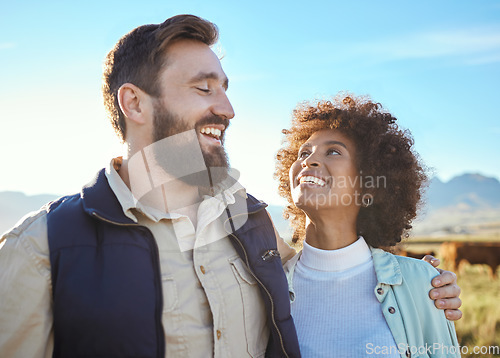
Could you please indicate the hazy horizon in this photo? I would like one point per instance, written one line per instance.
(434, 65)
(270, 203)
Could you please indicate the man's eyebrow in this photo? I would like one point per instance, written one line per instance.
(210, 76)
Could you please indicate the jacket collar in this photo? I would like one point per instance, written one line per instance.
(386, 267)
(99, 199)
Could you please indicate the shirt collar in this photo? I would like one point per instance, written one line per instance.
(129, 203)
(337, 260)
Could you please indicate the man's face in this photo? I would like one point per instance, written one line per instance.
(167, 124)
(193, 96)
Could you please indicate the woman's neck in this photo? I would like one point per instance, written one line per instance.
(328, 231)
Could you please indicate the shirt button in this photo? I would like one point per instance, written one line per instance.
(380, 290)
(219, 334)
(202, 269)
(392, 310)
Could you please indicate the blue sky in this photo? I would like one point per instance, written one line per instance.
(434, 64)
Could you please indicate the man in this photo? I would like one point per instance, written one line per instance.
(163, 254)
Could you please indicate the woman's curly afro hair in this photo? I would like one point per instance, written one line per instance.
(383, 150)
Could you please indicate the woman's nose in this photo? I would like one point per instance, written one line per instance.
(310, 161)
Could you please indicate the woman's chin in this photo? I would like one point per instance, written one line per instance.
(309, 205)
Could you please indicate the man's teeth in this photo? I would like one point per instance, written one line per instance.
(311, 179)
(211, 131)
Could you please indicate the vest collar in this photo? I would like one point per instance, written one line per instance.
(99, 200)
(236, 221)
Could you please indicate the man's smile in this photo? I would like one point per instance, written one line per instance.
(212, 133)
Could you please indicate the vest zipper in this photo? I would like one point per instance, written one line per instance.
(260, 283)
(156, 262)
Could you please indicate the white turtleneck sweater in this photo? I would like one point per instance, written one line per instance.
(335, 310)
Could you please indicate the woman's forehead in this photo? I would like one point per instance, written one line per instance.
(324, 136)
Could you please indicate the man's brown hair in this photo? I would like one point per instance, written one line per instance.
(139, 56)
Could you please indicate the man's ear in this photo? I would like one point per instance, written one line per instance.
(133, 102)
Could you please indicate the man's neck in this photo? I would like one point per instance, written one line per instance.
(170, 196)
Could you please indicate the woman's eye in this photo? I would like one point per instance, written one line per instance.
(332, 152)
(303, 155)
(205, 90)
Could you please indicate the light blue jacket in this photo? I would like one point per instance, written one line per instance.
(403, 285)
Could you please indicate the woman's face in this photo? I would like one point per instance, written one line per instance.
(325, 174)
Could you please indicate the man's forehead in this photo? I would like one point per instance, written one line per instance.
(194, 58)
(191, 51)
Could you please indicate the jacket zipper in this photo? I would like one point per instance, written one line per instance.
(260, 283)
(159, 326)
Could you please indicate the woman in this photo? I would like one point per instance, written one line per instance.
(353, 185)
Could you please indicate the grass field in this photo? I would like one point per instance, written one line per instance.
(480, 325)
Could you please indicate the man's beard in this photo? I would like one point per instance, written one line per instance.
(167, 124)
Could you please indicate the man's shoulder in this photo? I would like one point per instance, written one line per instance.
(35, 219)
(28, 221)
(64, 203)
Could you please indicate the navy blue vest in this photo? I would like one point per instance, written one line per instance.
(107, 293)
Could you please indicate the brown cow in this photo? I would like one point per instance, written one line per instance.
(415, 255)
(475, 253)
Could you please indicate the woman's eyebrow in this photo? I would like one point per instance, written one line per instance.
(333, 142)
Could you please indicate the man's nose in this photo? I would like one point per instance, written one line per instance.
(222, 106)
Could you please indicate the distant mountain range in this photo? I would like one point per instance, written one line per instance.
(467, 204)
(472, 191)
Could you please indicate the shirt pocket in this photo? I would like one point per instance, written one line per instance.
(172, 318)
(254, 312)
(169, 289)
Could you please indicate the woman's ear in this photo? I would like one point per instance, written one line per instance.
(132, 101)
(367, 198)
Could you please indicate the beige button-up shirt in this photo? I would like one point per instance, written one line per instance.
(212, 305)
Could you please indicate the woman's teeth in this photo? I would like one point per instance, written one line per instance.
(311, 179)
